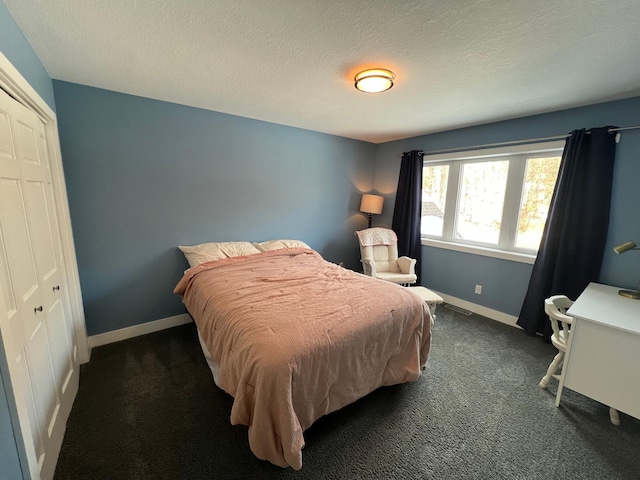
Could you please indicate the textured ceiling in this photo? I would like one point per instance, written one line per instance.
(457, 63)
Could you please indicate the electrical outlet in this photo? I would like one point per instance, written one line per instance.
(479, 289)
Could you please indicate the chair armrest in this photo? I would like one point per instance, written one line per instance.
(369, 267)
(407, 265)
(564, 318)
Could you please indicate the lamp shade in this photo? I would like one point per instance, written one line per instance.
(371, 203)
(625, 247)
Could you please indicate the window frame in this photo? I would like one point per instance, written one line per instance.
(517, 156)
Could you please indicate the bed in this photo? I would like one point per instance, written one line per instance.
(292, 337)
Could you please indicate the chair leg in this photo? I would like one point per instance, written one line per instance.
(557, 362)
(614, 416)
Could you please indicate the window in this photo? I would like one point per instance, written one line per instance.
(481, 201)
(434, 189)
(490, 199)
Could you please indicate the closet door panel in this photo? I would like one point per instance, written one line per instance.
(24, 332)
(47, 261)
(59, 344)
(43, 247)
(26, 134)
(61, 322)
(17, 244)
(26, 399)
(42, 377)
(36, 325)
(7, 152)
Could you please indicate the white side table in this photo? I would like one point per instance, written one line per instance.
(430, 298)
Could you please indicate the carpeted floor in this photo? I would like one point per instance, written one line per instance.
(147, 408)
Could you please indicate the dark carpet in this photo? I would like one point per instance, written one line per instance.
(147, 408)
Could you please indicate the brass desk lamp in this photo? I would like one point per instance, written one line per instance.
(626, 246)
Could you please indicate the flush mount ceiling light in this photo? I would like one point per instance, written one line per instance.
(374, 80)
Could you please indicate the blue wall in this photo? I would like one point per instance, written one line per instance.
(9, 461)
(144, 176)
(17, 49)
(504, 283)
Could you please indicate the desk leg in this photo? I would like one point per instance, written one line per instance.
(566, 362)
(559, 394)
(614, 416)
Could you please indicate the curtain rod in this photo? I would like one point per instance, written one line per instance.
(514, 142)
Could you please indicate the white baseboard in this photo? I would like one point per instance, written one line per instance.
(480, 310)
(177, 320)
(137, 330)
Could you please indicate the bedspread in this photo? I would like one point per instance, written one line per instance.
(297, 337)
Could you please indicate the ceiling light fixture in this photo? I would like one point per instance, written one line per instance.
(374, 80)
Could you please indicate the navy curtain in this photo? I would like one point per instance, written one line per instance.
(408, 208)
(575, 234)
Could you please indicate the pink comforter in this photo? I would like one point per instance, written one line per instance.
(297, 337)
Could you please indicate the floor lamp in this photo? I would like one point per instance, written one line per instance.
(625, 247)
(371, 204)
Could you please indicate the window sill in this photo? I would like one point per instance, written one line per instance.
(475, 250)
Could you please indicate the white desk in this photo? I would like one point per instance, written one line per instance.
(603, 356)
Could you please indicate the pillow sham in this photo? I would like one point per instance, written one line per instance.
(206, 252)
(278, 244)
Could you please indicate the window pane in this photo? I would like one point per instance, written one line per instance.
(434, 193)
(481, 201)
(539, 182)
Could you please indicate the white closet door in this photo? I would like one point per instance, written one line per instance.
(36, 331)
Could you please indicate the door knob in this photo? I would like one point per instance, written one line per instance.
(37, 309)
(57, 287)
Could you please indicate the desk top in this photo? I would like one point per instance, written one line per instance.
(602, 304)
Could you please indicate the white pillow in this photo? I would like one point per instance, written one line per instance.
(278, 244)
(206, 252)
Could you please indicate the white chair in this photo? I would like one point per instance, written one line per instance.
(556, 307)
(379, 254)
